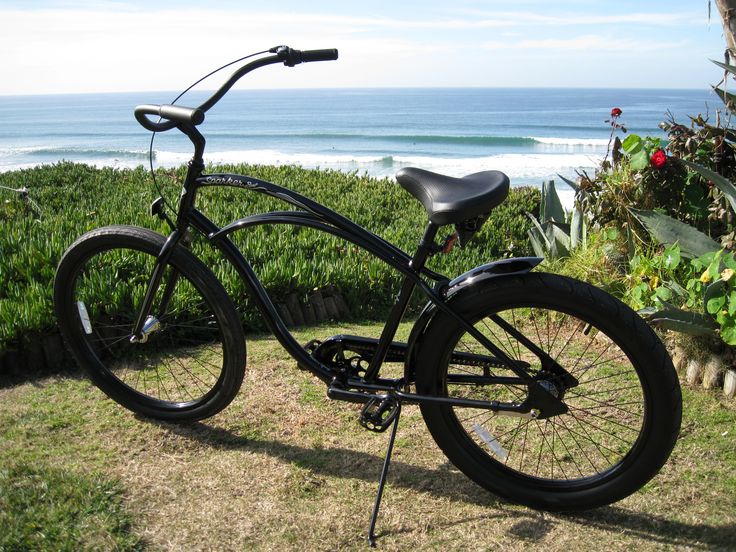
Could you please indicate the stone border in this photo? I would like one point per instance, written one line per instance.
(47, 354)
(709, 373)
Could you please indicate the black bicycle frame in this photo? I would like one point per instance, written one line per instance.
(380, 396)
(314, 215)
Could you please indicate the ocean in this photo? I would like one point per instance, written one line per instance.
(530, 134)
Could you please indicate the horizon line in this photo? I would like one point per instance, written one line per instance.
(171, 91)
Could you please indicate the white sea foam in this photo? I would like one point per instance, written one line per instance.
(521, 168)
(598, 142)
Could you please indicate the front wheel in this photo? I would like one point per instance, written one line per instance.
(192, 361)
(623, 417)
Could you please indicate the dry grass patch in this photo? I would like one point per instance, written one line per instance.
(284, 468)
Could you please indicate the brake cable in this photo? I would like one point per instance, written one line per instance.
(153, 135)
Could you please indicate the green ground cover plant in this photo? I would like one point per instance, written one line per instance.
(70, 199)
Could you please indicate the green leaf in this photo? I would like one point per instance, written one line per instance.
(728, 335)
(668, 231)
(713, 290)
(677, 289)
(569, 182)
(692, 323)
(540, 231)
(729, 261)
(639, 161)
(721, 182)
(663, 293)
(714, 305)
(732, 303)
(671, 257)
(552, 207)
(632, 144)
(729, 68)
(726, 97)
(536, 242)
(576, 227)
(561, 241)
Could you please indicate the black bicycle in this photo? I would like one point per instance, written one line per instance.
(542, 389)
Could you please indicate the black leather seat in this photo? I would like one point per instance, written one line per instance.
(449, 200)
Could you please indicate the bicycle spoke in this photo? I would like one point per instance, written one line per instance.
(603, 411)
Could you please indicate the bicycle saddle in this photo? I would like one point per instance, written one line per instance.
(449, 200)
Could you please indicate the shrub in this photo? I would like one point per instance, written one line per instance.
(75, 198)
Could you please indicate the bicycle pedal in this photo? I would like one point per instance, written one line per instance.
(379, 413)
(312, 345)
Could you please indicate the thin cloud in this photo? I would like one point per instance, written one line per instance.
(584, 43)
(656, 19)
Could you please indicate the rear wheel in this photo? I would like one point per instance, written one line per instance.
(192, 362)
(623, 417)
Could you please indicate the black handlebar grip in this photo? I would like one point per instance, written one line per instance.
(174, 113)
(319, 55)
(182, 114)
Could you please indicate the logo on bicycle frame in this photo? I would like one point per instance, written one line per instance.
(228, 180)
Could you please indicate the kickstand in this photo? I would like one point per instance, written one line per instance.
(382, 480)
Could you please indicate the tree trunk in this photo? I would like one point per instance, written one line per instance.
(727, 9)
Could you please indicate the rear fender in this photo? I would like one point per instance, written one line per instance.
(465, 283)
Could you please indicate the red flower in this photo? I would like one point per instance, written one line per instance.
(659, 158)
(616, 111)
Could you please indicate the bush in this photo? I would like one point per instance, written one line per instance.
(75, 198)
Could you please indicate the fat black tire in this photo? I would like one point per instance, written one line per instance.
(194, 364)
(642, 358)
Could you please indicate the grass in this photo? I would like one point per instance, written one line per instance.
(51, 509)
(284, 468)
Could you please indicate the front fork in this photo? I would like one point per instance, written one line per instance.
(145, 323)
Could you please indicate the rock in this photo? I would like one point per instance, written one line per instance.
(342, 306)
(53, 350)
(679, 359)
(694, 373)
(729, 384)
(285, 315)
(712, 372)
(319, 306)
(12, 362)
(331, 308)
(309, 316)
(295, 309)
(33, 357)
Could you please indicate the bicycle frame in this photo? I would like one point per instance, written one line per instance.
(540, 402)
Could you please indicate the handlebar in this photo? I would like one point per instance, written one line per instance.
(176, 115)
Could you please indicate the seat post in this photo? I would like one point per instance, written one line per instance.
(424, 250)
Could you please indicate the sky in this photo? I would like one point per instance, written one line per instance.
(118, 46)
